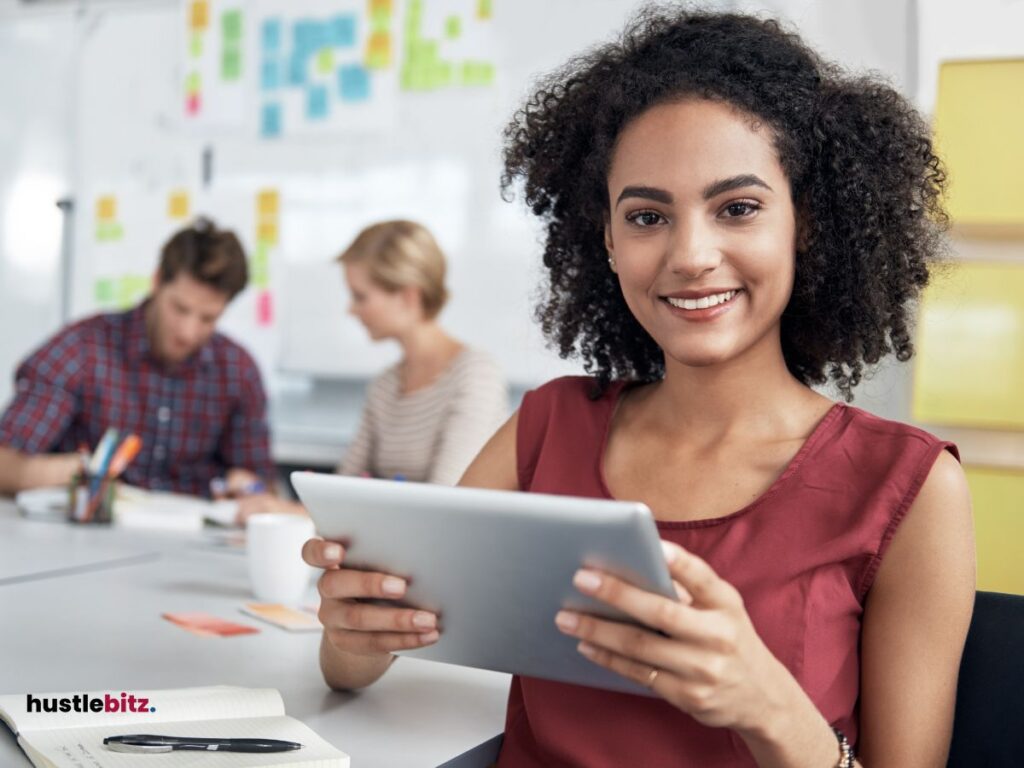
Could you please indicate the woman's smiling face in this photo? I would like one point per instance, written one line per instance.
(702, 229)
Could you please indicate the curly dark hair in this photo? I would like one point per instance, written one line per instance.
(865, 180)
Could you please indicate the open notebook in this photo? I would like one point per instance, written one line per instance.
(75, 739)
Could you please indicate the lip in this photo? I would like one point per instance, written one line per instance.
(701, 315)
(698, 294)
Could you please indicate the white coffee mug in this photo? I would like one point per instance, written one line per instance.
(276, 569)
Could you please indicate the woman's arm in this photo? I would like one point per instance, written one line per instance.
(915, 623)
(478, 404)
(703, 654)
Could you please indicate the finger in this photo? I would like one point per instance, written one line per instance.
(666, 614)
(346, 583)
(634, 642)
(699, 579)
(367, 643)
(637, 671)
(323, 554)
(365, 617)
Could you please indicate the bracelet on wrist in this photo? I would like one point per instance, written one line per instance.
(845, 750)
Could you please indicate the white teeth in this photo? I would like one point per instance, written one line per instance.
(703, 302)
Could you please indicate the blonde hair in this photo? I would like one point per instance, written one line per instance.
(399, 254)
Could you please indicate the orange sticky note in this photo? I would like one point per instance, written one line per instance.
(199, 14)
(177, 204)
(206, 625)
(106, 208)
(267, 203)
(266, 232)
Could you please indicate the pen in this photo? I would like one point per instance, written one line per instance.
(145, 742)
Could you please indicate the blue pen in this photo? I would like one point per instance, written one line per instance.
(101, 459)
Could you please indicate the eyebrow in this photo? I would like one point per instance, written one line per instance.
(647, 193)
(734, 182)
(712, 190)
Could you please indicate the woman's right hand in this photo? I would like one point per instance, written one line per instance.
(352, 624)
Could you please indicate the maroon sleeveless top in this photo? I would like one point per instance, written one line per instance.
(803, 555)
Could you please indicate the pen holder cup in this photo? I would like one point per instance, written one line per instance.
(90, 499)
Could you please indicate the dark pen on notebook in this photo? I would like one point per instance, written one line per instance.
(144, 742)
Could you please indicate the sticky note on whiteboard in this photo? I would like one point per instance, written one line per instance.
(106, 208)
(177, 204)
(969, 366)
(264, 308)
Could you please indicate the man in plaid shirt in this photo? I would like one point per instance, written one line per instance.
(159, 370)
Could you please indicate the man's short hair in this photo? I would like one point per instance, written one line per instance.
(212, 256)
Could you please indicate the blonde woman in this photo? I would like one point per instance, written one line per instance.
(426, 417)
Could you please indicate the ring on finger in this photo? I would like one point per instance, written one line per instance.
(651, 677)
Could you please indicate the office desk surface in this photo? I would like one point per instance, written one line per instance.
(100, 630)
(34, 549)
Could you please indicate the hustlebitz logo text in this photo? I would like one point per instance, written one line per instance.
(84, 702)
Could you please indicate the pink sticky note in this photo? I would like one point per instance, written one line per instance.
(193, 103)
(264, 308)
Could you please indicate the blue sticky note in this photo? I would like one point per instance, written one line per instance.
(297, 69)
(354, 81)
(316, 102)
(271, 74)
(343, 31)
(272, 35)
(270, 122)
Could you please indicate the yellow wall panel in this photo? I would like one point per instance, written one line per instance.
(979, 116)
(998, 499)
(969, 366)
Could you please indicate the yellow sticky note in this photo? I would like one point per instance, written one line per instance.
(177, 204)
(106, 208)
(998, 527)
(199, 15)
(266, 232)
(978, 117)
(969, 366)
(267, 201)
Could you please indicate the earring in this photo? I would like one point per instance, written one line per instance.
(611, 261)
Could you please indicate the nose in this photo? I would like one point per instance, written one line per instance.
(191, 330)
(693, 249)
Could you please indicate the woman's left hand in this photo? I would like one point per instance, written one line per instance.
(701, 654)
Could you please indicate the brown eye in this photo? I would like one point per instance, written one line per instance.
(741, 209)
(645, 218)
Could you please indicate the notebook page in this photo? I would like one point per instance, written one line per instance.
(206, 703)
(83, 747)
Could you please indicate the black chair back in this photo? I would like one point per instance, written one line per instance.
(988, 727)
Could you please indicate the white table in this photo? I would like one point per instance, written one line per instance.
(99, 629)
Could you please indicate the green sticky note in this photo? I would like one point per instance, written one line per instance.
(325, 61)
(231, 64)
(231, 25)
(193, 83)
(484, 9)
(452, 27)
(195, 46)
(441, 74)
(104, 291)
(380, 19)
(116, 231)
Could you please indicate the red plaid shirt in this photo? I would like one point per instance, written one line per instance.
(207, 415)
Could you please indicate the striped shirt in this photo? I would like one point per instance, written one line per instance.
(433, 433)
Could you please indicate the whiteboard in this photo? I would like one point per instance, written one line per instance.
(432, 155)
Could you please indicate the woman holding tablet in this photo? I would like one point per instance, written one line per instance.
(729, 221)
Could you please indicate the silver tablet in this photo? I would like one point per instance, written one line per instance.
(494, 565)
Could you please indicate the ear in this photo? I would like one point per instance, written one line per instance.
(411, 297)
(609, 246)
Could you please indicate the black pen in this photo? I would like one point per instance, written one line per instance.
(144, 742)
